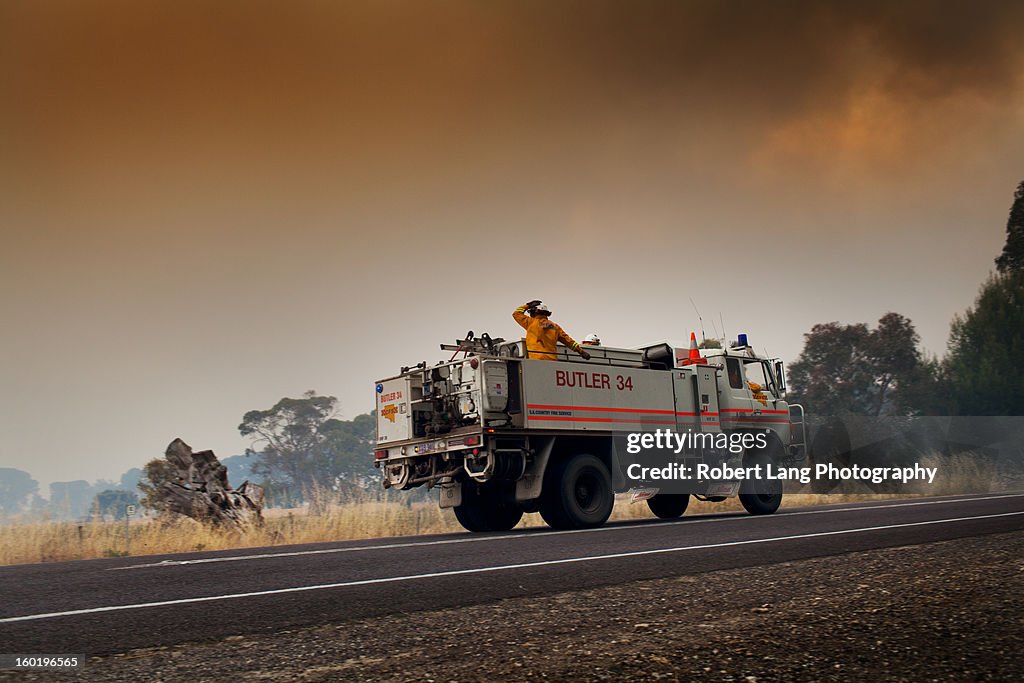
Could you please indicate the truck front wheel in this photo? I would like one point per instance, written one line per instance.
(485, 508)
(577, 493)
(761, 496)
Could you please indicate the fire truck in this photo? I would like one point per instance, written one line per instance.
(500, 435)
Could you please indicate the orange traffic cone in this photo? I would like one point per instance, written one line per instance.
(695, 356)
(694, 351)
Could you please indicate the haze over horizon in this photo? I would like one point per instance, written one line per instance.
(208, 207)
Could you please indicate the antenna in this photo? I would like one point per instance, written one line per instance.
(715, 329)
(702, 335)
(721, 319)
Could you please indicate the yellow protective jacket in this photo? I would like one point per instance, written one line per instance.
(542, 336)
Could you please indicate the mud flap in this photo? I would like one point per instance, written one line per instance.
(449, 495)
(529, 485)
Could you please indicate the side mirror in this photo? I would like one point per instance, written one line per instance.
(780, 378)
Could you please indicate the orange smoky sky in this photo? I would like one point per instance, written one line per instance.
(206, 206)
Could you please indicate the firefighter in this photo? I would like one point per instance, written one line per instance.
(543, 334)
(591, 340)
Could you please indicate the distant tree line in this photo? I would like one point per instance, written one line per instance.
(78, 499)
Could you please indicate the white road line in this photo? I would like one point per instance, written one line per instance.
(482, 570)
(540, 534)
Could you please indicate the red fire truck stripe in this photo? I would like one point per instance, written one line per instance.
(601, 409)
(605, 409)
(747, 410)
(568, 418)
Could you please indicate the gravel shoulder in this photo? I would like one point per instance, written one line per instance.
(945, 611)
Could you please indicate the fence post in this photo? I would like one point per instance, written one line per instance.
(129, 510)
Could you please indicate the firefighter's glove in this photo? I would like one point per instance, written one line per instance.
(531, 304)
(584, 354)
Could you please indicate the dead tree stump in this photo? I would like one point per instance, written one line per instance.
(202, 491)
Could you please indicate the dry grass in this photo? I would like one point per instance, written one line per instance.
(58, 541)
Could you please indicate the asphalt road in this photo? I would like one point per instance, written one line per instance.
(98, 607)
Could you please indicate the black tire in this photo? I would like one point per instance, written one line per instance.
(486, 508)
(669, 505)
(577, 493)
(760, 497)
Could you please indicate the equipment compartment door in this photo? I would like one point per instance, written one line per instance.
(394, 418)
(707, 395)
(697, 399)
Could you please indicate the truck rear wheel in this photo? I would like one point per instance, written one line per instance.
(577, 493)
(485, 508)
(669, 505)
